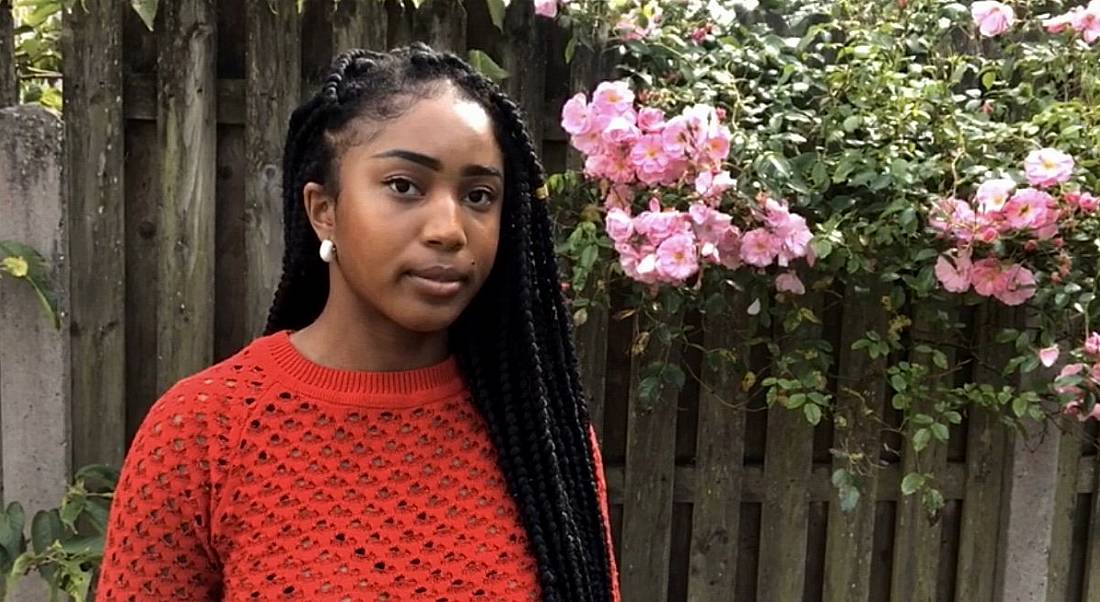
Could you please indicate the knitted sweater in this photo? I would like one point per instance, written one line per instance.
(269, 477)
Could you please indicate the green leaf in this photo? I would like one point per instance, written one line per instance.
(486, 66)
(939, 430)
(812, 412)
(1019, 406)
(570, 49)
(147, 10)
(46, 529)
(911, 483)
(38, 276)
(496, 11)
(920, 439)
(849, 499)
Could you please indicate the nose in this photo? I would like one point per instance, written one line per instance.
(443, 227)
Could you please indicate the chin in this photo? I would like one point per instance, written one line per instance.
(428, 321)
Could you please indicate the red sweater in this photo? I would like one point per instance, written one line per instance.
(268, 477)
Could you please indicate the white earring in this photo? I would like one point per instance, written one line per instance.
(328, 250)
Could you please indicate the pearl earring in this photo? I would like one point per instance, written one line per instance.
(328, 251)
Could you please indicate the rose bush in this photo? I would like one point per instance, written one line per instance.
(942, 152)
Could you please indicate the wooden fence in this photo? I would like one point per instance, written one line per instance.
(173, 140)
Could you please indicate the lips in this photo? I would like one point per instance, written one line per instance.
(439, 280)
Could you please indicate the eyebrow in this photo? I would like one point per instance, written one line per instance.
(436, 165)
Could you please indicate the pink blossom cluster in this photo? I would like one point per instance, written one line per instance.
(998, 210)
(1088, 371)
(629, 25)
(1085, 20)
(624, 145)
(666, 246)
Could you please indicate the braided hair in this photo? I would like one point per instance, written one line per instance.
(523, 380)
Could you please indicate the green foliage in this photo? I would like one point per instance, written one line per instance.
(861, 115)
(21, 262)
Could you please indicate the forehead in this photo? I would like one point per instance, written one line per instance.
(447, 126)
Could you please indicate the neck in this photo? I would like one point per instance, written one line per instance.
(349, 336)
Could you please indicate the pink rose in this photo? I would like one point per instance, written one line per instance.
(546, 8)
(710, 185)
(729, 248)
(788, 282)
(613, 97)
(1086, 21)
(651, 119)
(992, 18)
(676, 258)
(1047, 167)
(954, 276)
(993, 194)
(1048, 355)
(619, 225)
(1018, 285)
(1027, 208)
(574, 115)
(1092, 343)
(759, 247)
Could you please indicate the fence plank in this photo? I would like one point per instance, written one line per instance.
(9, 84)
(359, 24)
(442, 25)
(650, 466)
(720, 444)
(187, 138)
(917, 540)
(1066, 488)
(980, 552)
(523, 56)
(860, 395)
(34, 356)
(272, 66)
(787, 463)
(94, 188)
(1091, 589)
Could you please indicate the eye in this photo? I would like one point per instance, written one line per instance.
(402, 186)
(481, 197)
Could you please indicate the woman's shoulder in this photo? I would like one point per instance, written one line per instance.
(222, 391)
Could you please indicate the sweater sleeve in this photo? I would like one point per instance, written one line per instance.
(158, 536)
(601, 490)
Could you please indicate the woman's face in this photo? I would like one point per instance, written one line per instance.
(417, 219)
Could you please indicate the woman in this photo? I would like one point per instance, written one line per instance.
(412, 426)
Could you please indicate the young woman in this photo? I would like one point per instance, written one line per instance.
(412, 427)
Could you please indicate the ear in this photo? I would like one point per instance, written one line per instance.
(320, 209)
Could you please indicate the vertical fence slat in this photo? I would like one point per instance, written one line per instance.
(359, 24)
(592, 335)
(860, 396)
(785, 512)
(716, 515)
(1065, 506)
(442, 25)
(94, 146)
(980, 552)
(650, 466)
(9, 85)
(187, 138)
(917, 541)
(34, 356)
(272, 65)
(523, 56)
(1091, 590)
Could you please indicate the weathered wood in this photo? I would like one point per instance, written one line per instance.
(272, 66)
(96, 221)
(917, 535)
(187, 137)
(1067, 484)
(140, 99)
(34, 355)
(359, 24)
(442, 25)
(592, 357)
(9, 83)
(650, 466)
(980, 550)
(787, 465)
(819, 488)
(720, 443)
(523, 56)
(399, 30)
(1091, 587)
(860, 398)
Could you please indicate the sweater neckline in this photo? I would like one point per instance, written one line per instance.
(398, 389)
